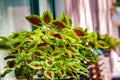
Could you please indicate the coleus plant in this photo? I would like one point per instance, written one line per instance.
(110, 41)
(54, 49)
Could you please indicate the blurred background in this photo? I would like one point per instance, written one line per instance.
(101, 16)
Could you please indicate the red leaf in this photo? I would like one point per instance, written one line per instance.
(102, 44)
(64, 18)
(42, 44)
(91, 44)
(68, 73)
(49, 62)
(29, 61)
(11, 64)
(47, 17)
(4, 47)
(52, 46)
(78, 32)
(9, 57)
(35, 20)
(27, 51)
(55, 54)
(37, 65)
(15, 52)
(49, 73)
(62, 71)
(31, 46)
(59, 24)
(73, 56)
(17, 44)
(57, 36)
(37, 54)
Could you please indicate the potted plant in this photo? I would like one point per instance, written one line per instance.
(54, 49)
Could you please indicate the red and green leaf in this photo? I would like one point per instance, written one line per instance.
(78, 32)
(35, 20)
(4, 45)
(4, 38)
(59, 24)
(42, 44)
(62, 73)
(16, 44)
(93, 35)
(36, 53)
(49, 74)
(57, 36)
(68, 52)
(52, 46)
(91, 44)
(65, 19)
(49, 63)
(56, 55)
(47, 17)
(26, 51)
(15, 52)
(29, 61)
(11, 64)
(10, 57)
(102, 44)
(70, 33)
(35, 65)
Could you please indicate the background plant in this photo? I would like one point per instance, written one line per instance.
(110, 41)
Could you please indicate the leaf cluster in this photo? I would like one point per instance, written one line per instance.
(54, 49)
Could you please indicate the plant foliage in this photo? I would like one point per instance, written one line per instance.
(54, 48)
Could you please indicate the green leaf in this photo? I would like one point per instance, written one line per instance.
(10, 57)
(70, 39)
(4, 38)
(47, 17)
(93, 35)
(4, 45)
(70, 32)
(6, 72)
(56, 53)
(35, 20)
(70, 22)
(68, 52)
(86, 74)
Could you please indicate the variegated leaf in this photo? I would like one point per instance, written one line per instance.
(78, 32)
(35, 20)
(49, 74)
(62, 73)
(65, 19)
(4, 45)
(102, 44)
(47, 17)
(59, 24)
(35, 65)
